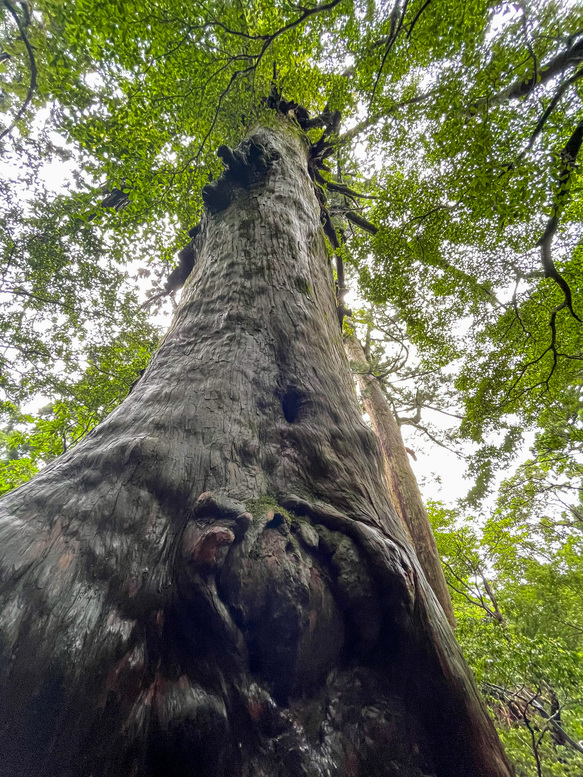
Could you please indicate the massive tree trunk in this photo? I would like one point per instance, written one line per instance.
(403, 488)
(214, 582)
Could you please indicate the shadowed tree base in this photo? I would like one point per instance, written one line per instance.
(213, 583)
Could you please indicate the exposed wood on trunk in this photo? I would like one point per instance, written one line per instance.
(401, 480)
(214, 582)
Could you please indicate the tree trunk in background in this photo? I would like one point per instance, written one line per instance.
(403, 488)
(214, 582)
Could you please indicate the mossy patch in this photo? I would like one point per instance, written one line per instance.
(263, 505)
(303, 286)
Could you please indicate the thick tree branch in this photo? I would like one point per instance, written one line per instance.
(416, 18)
(568, 162)
(492, 597)
(570, 57)
(341, 188)
(361, 222)
(551, 107)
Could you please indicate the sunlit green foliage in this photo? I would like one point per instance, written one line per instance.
(516, 586)
(28, 442)
(448, 97)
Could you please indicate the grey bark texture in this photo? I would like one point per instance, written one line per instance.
(403, 488)
(214, 581)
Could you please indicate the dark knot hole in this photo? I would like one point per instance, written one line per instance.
(291, 404)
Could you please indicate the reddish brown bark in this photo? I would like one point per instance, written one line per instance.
(403, 488)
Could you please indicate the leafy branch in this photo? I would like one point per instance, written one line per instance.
(462, 587)
(551, 107)
(395, 29)
(33, 68)
(570, 57)
(529, 700)
(371, 120)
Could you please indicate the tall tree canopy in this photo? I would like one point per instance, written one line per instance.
(454, 184)
(461, 121)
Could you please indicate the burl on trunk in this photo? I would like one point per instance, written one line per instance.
(213, 582)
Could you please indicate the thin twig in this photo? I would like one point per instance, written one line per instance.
(416, 19)
(393, 33)
(370, 121)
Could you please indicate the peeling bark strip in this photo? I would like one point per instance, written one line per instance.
(401, 480)
(162, 617)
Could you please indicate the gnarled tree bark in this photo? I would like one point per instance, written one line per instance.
(403, 488)
(214, 582)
